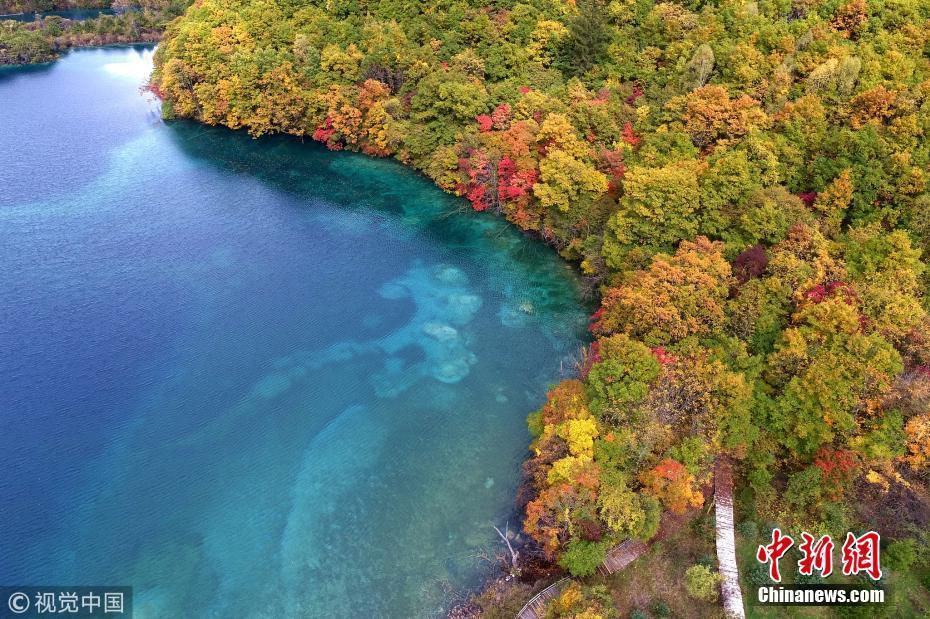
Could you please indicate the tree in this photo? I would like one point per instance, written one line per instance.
(568, 178)
(768, 215)
(579, 435)
(676, 297)
(549, 517)
(586, 42)
(620, 508)
(702, 583)
(711, 117)
(564, 180)
(699, 68)
(659, 207)
(621, 376)
(850, 17)
(886, 270)
(874, 106)
(512, 560)
(670, 482)
(567, 400)
(803, 261)
(582, 602)
(344, 63)
(829, 375)
(833, 201)
(582, 558)
(758, 313)
(699, 398)
(918, 441)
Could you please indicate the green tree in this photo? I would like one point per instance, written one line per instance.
(586, 43)
(829, 374)
(582, 558)
(622, 376)
(659, 207)
(702, 583)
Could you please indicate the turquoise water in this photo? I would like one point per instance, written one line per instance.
(252, 378)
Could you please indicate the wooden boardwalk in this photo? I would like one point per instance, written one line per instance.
(536, 607)
(617, 558)
(622, 555)
(628, 551)
(726, 540)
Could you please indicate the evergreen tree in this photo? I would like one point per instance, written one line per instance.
(586, 42)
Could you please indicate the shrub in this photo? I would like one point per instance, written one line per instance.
(758, 575)
(660, 609)
(581, 558)
(652, 520)
(702, 583)
(748, 529)
(813, 579)
(534, 422)
(900, 555)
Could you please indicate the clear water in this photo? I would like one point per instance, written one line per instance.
(252, 378)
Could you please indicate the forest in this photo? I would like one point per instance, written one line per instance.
(42, 40)
(742, 184)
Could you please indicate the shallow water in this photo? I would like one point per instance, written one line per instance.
(251, 377)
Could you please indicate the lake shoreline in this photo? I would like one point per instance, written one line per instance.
(496, 583)
(460, 326)
(44, 39)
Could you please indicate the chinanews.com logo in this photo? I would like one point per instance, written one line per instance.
(859, 555)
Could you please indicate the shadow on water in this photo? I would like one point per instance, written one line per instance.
(10, 73)
(306, 169)
(303, 167)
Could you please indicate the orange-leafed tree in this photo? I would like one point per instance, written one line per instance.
(671, 483)
(676, 297)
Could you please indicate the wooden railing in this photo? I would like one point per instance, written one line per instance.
(536, 607)
(629, 550)
(617, 558)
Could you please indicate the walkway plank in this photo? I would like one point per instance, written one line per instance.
(617, 558)
(536, 607)
(629, 550)
(726, 540)
(622, 555)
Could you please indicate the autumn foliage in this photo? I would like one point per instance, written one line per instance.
(746, 189)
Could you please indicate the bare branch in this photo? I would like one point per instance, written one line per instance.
(514, 554)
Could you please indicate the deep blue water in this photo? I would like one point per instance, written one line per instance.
(252, 378)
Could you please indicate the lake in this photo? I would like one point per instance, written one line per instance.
(253, 378)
